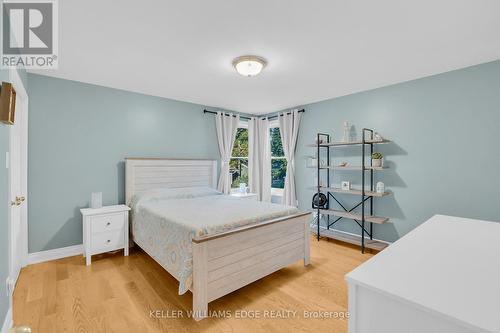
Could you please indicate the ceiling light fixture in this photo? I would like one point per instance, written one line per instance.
(249, 65)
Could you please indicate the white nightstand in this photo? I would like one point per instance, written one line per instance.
(104, 229)
(249, 196)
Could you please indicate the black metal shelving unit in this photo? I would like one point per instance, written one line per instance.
(367, 144)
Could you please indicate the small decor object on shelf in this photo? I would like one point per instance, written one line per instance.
(346, 186)
(319, 201)
(347, 132)
(377, 137)
(318, 141)
(321, 182)
(377, 159)
(380, 187)
(342, 164)
(96, 200)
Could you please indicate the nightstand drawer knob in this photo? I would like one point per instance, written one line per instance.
(108, 241)
(108, 222)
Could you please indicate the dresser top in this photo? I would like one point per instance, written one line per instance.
(104, 210)
(448, 265)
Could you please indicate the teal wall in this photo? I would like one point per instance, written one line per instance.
(445, 158)
(4, 199)
(79, 135)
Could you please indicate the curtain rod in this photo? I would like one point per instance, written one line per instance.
(246, 118)
(213, 112)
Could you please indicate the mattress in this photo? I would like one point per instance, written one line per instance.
(164, 222)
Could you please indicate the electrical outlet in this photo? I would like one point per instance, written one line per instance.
(9, 286)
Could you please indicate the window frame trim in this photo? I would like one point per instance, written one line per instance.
(272, 124)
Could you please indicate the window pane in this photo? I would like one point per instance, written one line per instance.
(276, 146)
(278, 173)
(240, 148)
(238, 169)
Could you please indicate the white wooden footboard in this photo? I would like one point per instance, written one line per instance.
(231, 260)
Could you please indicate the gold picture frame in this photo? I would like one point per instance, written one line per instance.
(7, 103)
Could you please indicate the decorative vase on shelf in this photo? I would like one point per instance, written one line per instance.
(377, 159)
(377, 162)
(380, 187)
(347, 132)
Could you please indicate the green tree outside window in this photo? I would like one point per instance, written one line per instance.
(278, 161)
(238, 165)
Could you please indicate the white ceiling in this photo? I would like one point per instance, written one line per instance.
(316, 49)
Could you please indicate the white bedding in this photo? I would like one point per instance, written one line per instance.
(164, 222)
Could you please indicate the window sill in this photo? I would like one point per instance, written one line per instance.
(277, 192)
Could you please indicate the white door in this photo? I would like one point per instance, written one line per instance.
(17, 163)
(16, 196)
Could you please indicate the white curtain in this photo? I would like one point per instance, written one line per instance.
(226, 126)
(289, 129)
(259, 158)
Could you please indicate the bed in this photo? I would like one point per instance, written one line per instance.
(211, 243)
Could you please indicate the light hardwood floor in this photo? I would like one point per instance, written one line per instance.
(116, 294)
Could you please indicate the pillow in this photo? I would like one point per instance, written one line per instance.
(175, 193)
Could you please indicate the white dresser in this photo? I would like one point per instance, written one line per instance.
(104, 229)
(442, 277)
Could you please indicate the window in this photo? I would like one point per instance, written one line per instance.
(278, 161)
(238, 165)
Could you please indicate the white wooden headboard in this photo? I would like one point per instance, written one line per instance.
(143, 174)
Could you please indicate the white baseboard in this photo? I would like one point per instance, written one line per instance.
(7, 323)
(63, 252)
(351, 234)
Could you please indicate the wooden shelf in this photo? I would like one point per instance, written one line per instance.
(351, 191)
(349, 167)
(361, 191)
(343, 144)
(353, 216)
(351, 239)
